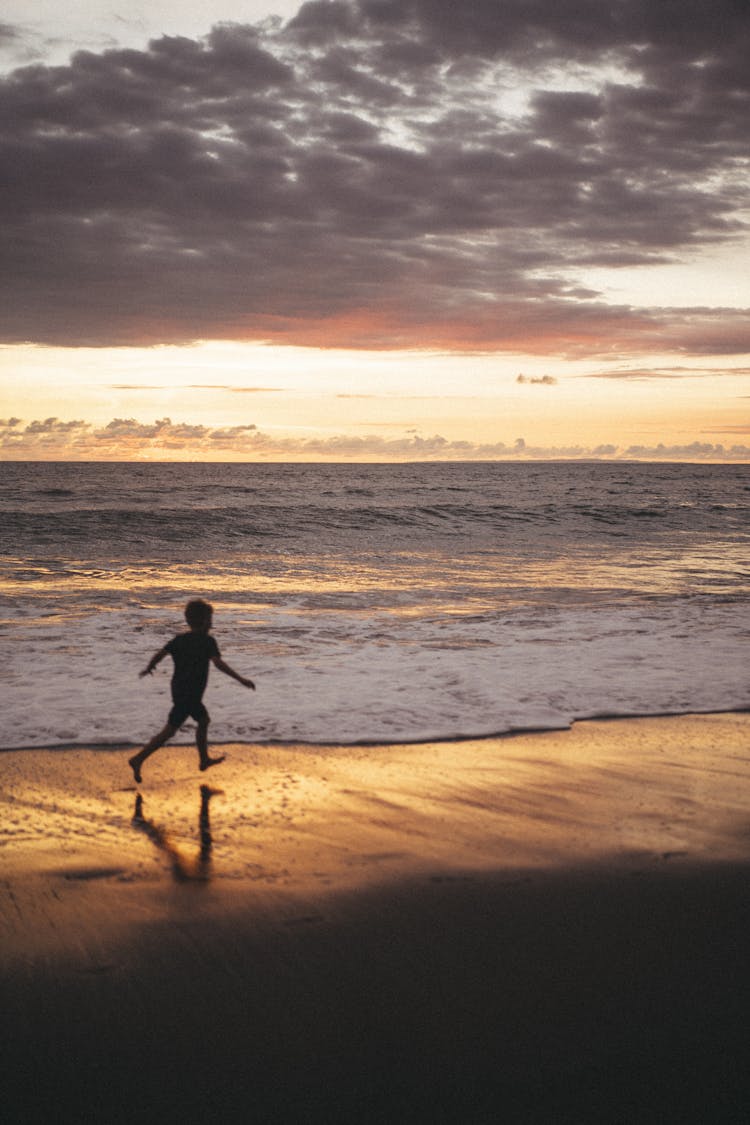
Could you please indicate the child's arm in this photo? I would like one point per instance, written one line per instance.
(153, 662)
(220, 664)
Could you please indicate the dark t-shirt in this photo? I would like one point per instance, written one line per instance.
(191, 653)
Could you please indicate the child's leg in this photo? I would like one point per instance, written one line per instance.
(201, 741)
(158, 740)
(201, 738)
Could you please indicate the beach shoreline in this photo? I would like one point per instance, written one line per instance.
(180, 740)
(535, 928)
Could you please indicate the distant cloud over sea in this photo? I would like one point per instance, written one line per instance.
(127, 438)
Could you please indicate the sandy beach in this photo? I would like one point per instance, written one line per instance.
(542, 927)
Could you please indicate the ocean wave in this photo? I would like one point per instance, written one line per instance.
(468, 735)
(211, 526)
(335, 676)
(374, 603)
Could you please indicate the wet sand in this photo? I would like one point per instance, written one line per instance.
(548, 927)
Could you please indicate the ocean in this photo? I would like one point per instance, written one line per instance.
(372, 603)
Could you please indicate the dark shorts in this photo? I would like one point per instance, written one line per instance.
(182, 708)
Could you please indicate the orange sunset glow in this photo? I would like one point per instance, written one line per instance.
(375, 442)
(344, 231)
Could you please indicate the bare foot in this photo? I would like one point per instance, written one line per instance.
(135, 766)
(208, 762)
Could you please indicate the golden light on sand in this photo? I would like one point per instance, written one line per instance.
(526, 892)
(310, 821)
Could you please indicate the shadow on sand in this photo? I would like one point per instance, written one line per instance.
(185, 869)
(578, 997)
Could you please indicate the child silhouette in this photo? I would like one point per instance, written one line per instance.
(191, 652)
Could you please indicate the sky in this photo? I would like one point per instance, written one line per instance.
(375, 230)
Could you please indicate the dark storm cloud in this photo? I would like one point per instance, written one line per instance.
(8, 33)
(17, 45)
(366, 176)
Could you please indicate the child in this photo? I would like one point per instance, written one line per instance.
(191, 653)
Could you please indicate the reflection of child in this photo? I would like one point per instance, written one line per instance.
(182, 868)
(191, 653)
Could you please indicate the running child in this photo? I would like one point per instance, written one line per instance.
(191, 653)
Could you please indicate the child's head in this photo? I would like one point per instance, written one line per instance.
(198, 614)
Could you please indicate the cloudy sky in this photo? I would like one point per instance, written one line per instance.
(375, 228)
